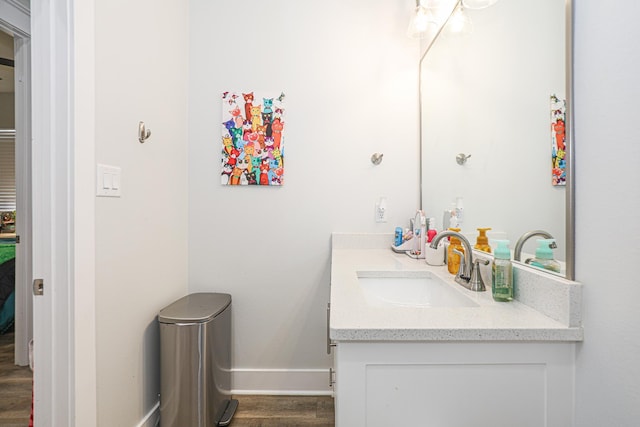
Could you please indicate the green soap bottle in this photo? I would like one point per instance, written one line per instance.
(502, 273)
(544, 256)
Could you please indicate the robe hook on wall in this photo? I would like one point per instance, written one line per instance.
(143, 133)
(461, 158)
(376, 158)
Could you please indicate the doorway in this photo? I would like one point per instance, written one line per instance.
(15, 211)
(15, 181)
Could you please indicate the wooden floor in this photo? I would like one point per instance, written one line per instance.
(15, 387)
(283, 411)
(253, 411)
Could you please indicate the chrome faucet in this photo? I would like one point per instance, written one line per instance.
(517, 251)
(469, 271)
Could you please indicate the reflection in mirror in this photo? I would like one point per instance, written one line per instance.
(488, 95)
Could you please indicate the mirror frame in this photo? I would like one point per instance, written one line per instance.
(569, 133)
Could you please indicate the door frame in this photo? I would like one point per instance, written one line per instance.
(53, 365)
(63, 186)
(63, 210)
(64, 316)
(15, 20)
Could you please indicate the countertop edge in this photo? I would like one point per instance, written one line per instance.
(459, 335)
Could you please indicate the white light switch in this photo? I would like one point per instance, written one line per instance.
(107, 181)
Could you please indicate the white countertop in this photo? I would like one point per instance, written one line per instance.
(354, 319)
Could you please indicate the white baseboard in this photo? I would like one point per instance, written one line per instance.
(311, 382)
(292, 382)
(152, 419)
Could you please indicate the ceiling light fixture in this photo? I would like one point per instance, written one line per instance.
(478, 4)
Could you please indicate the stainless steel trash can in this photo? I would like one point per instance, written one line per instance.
(195, 362)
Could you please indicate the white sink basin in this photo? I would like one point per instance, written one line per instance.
(410, 289)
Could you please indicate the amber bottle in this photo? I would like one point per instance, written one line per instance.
(453, 260)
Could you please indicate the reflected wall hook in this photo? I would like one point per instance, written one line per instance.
(461, 158)
(143, 133)
(376, 158)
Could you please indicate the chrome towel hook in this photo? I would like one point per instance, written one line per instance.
(461, 158)
(143, 133)
(376, 158)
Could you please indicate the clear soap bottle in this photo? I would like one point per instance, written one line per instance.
(502, 273)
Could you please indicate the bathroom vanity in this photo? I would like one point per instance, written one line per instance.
(412, 347)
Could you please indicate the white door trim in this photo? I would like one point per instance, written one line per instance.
(52, 115)
(24, 265)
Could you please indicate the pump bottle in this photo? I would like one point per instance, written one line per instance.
(502, 273)
(482, 242)
(453, 259)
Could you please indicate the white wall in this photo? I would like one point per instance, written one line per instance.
(141, 238)
(487, 95)
(350, 77)
(607, 65)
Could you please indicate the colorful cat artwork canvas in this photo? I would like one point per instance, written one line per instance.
(558, 141)
(252, 138)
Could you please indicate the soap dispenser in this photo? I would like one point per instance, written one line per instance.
(482, 242)
(502, 273)
(544, 256)
(453, 259)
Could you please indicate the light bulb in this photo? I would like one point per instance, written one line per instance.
(420, 22)
(478, 4)
(459, 23)
(422, 19)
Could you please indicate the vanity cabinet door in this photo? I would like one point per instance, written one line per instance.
(454, 384)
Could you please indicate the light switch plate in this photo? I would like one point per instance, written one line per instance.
(108, 181)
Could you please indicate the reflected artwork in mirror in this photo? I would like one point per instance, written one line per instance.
(487, 94)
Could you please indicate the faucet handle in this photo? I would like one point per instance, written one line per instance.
(475, 282)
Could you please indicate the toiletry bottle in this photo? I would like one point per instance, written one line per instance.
(419, 232)
(453, 260)
(459, 209)
(482, 242)
(502, 273)
(431, 232)
(398, 236)
(544, 256)
(446, 219)
(423, 234)
(453, 217)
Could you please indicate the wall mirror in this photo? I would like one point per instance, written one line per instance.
(487, 95)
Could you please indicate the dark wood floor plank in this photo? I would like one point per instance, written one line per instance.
(15, 386)
(284, 411)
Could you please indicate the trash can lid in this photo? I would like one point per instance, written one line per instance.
(195, 308)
